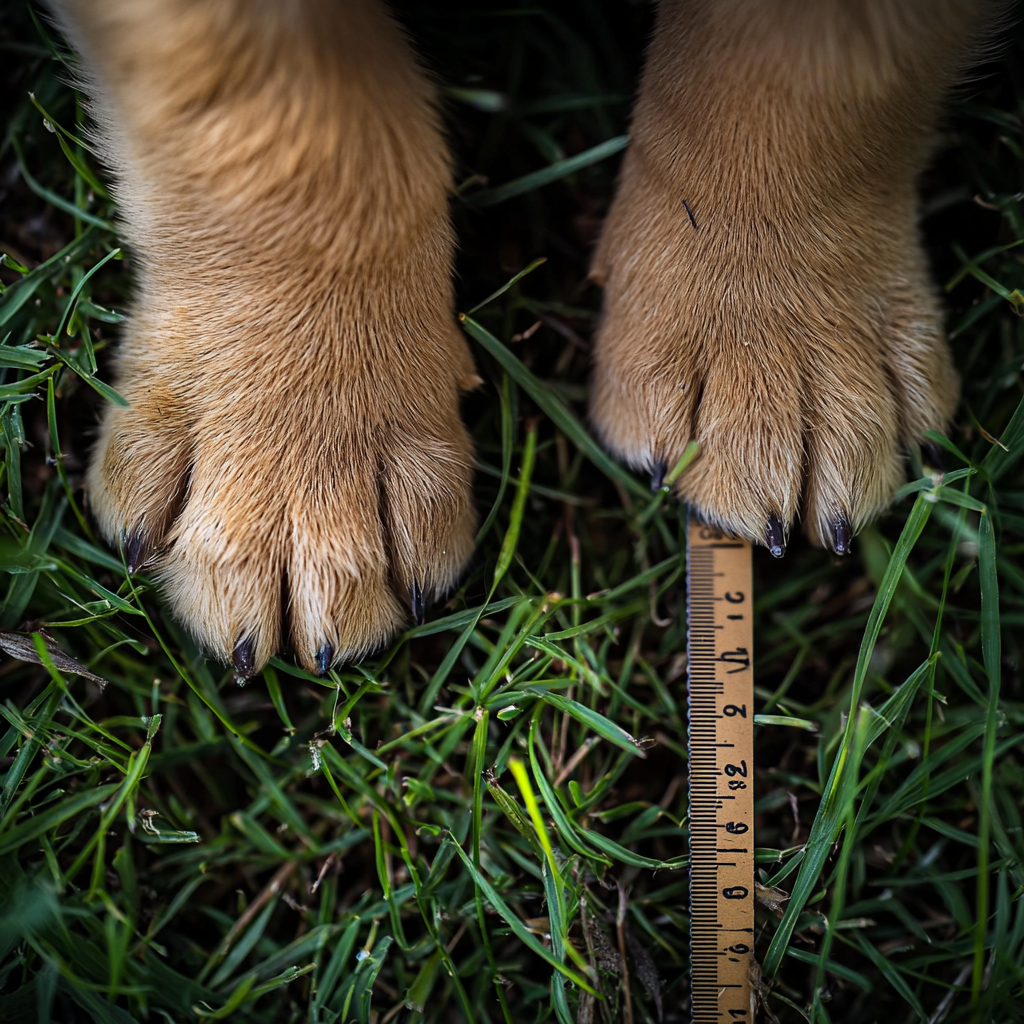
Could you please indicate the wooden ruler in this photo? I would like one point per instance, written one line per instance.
(720, 651)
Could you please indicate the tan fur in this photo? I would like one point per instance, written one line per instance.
(292, 464)
(292, 362)
(794, 332)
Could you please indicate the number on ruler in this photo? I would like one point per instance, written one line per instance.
(740, 658)
(737, 769)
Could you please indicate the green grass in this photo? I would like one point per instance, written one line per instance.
(487, 820)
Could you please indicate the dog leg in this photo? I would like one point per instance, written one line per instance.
(292, 464)
(766, 293)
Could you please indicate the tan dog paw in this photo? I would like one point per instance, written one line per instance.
(292, 465)
(766, 294)
(804, 376)
(281, 504)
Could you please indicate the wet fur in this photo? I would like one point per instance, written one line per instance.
(292, 466)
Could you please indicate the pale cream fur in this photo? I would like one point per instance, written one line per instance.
(292, 465)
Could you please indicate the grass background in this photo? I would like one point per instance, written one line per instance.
(486, 822)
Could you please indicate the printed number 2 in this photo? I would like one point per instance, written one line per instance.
(737, 769)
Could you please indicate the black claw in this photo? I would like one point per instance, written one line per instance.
(841, 535)
(658, 471)
(931, 455)
(243, 657)
(136, 551)
(419, 604)
(775, 536)
(324, 659)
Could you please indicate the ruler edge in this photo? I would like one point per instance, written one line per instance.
(691, 521)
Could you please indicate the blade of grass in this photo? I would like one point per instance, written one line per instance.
(827, 821)
(556, 171)
(515, 521)
(519, 929)
(555, 409)
(528, 269)
(991, 651)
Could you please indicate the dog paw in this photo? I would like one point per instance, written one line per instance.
(797, 339)
(283, 491)
(291, 464)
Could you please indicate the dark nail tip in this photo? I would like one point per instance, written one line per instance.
(775, 536)
(658, 471)
(136, 551)
(842, 534)
(418, 601)
(931, 455)
(243, 657)
(324, 659)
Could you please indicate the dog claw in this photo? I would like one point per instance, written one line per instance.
(324, 659)
(931, 455)
(841, 535)
(418, 601)
(243, 657)
(658, 471)
(775, 536)
(136, 551)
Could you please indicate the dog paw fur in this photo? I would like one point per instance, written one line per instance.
(284, 501)
(766, 294)
(291, 466)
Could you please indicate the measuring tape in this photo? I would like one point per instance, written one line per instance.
(720, 648)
